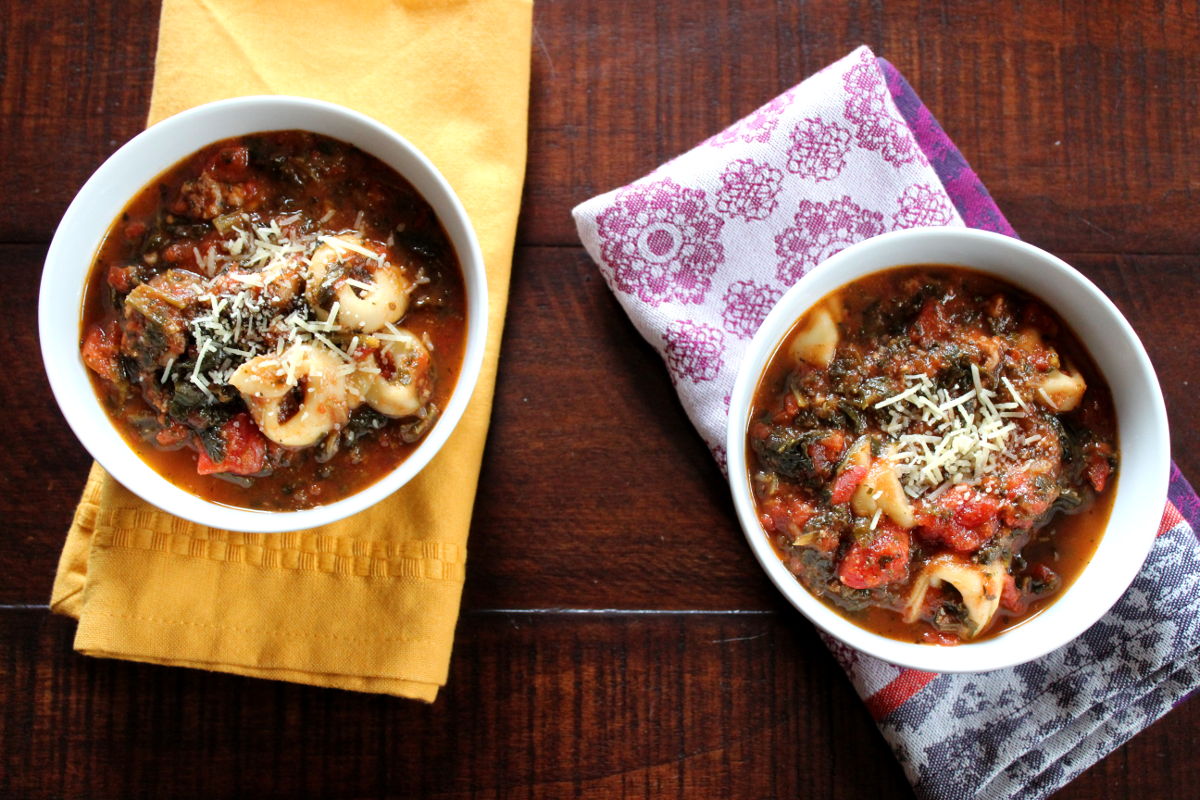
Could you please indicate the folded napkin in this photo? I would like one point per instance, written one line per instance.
(369, 603)
(697, 253)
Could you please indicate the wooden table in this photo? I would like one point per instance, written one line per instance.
(617, 638)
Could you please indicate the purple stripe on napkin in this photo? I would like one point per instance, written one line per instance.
(971, 198)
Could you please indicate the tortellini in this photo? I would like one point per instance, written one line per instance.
(370, 295)
(817, 341)
(881, 491)
(1061, 390)
(296, 397)
(405, 379)
(980, 586)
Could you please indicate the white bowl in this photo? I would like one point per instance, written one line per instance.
(126, 173)
(1144, 444)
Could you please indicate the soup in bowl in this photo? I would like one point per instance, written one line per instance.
(948, 437)
(280, 320)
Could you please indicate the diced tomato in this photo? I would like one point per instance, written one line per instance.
(961, 519)
(827, 452)
(1098, 471)
(229, 164)
(1010, 596)
(785, 514)
(845, 484)
(172, 435)
(123, 279)
(181, 255)
(1025, 503)
(135, 230)
(974, 508)
(1041, 359)
(942, 638)
(787, 411)
(100, 349)
(953, 535)
(245, 449)
(931, 324)
(880, 561)
(1099, 464)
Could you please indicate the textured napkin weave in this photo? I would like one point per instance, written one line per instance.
(699, 250)
(369, 603)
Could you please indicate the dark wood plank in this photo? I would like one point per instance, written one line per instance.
(42, 464)
(1079, 119)
(74, 86)
(596, 492)
(538, 706)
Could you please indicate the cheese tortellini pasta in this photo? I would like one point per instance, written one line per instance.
(370, 292)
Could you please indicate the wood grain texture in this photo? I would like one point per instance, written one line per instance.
(1080, 117)
(74, 86)
(538, 706)
(596, 493)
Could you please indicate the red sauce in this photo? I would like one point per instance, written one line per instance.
(188, 243)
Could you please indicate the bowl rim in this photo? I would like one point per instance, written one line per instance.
(177, 137)
(1026, 641)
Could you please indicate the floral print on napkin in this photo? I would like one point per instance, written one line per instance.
(700, 250)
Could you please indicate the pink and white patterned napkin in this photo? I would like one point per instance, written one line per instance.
(700, 250)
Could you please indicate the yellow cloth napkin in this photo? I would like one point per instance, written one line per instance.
(369, 603)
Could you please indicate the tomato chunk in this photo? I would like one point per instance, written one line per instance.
(172, 435)
(940, 638)
(245, 449)
(845, 484)
(961, 519)
(1025, 501)
(931, 324)
(1099, 464)
(825, 453)
(1098, 472)
(100, 349)
(880, 561)
(230, 164)
(1010, 596)
(785, 514)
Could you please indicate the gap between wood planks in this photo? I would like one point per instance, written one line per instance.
(678, 612)
(559, 245)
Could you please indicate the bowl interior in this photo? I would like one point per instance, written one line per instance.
(136, 164)
(1141, 423)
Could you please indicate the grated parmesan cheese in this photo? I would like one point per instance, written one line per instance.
(249, 315)
(967, 443)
